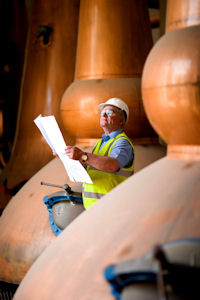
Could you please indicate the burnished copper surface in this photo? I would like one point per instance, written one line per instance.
(182, 14)
(80, 111)
(184, 152)
(110, 37)
(98, 90)
(158, 204)
(24, 225)
(170, 86)
(147, 154)
(114, 38)
(48, 70)
(25, 228)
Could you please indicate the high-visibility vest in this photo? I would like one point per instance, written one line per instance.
(103, 181)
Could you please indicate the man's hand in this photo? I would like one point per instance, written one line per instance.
(74, 152)
(108, 164)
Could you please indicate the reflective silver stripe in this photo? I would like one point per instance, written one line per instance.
(106, 153)
(92, 168)
(120, 172)
(124, 173)
(92, 195)
(94, 147)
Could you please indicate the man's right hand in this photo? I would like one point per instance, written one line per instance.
(74, 152)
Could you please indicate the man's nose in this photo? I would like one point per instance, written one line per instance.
(104, 114)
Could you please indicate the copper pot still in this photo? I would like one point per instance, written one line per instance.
(114, 39)
(153, 206)
(25, 229)
(31, 238)
(49, 65)
(125, 224)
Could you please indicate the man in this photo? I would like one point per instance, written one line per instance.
(112, 158)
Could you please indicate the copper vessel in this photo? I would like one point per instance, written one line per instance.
(184, 14)
(114, 38)
(158, 204)
(170, 87)
(48, 69)
(151, 207)
(31, 195)
(50, 66)
(26, 231)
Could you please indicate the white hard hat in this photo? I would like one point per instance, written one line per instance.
(117, 102)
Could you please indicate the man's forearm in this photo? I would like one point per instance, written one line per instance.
(109, 164)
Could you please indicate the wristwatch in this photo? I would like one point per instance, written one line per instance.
(84, 157)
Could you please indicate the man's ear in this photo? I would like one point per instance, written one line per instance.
(122, 121)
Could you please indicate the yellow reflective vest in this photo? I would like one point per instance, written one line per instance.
(103, 181)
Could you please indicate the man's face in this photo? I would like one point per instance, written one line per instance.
(110, 119)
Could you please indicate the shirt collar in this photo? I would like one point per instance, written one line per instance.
(113, 134)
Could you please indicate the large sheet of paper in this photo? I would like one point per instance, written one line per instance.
(53, 136)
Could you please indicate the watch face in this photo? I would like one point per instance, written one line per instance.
(84, 157)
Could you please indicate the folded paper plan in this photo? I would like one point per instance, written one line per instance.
(53, 136)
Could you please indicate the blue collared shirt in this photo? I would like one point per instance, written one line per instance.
(122, 149)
